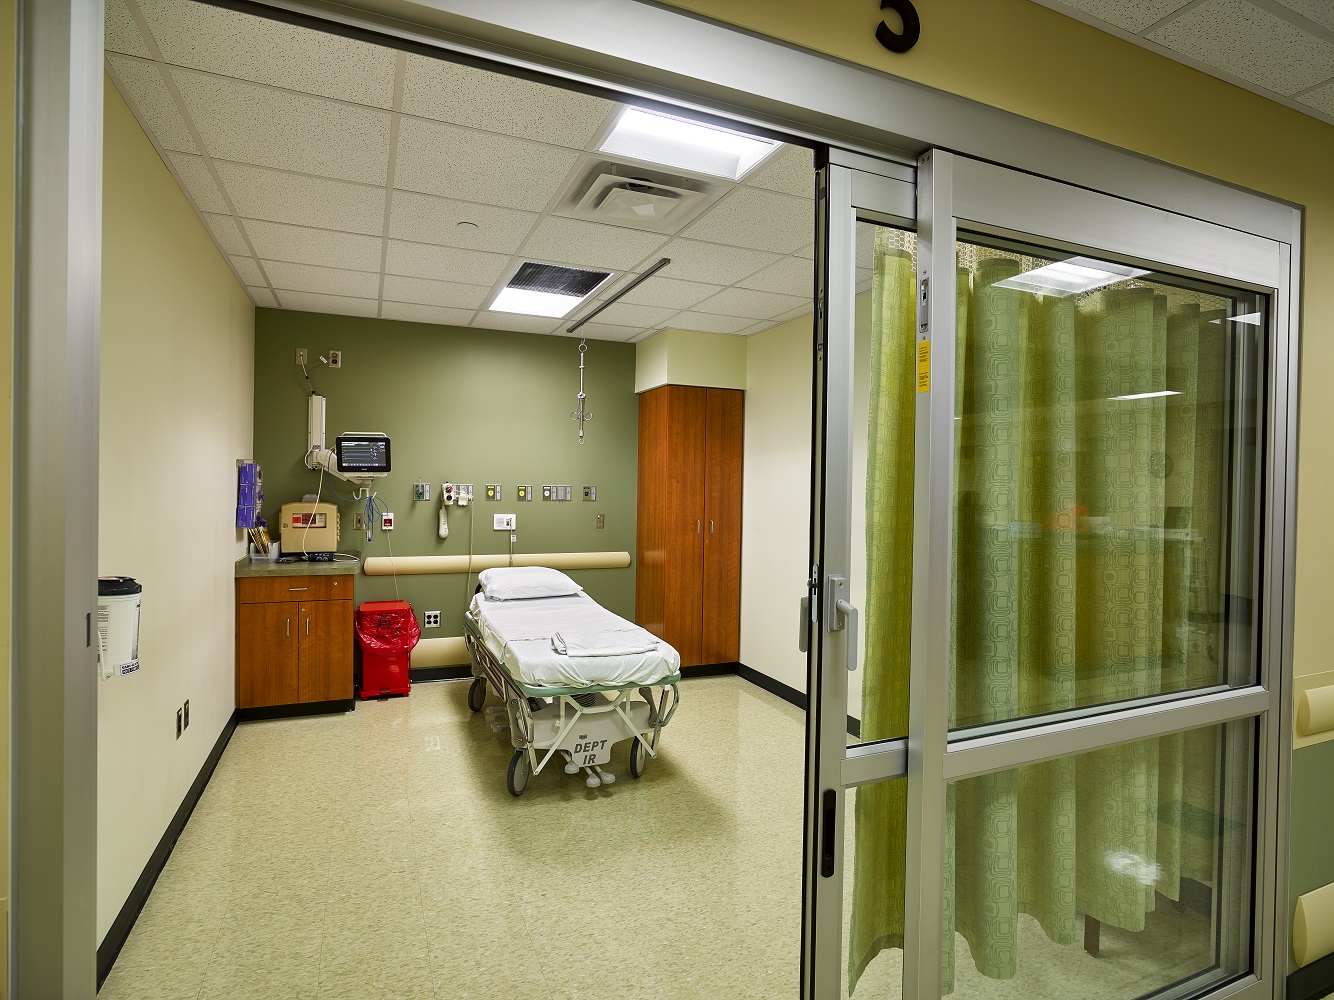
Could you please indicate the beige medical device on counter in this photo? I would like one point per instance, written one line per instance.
(322, 534)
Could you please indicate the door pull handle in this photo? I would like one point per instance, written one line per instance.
(827, 827)
(804, 633)
(849, 616)
(288, 630)
(842, 616)
(711, 526)
(307, 625)
(699, 530)
(296, 589)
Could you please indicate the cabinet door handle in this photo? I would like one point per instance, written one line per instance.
(710, 526)
(296, 589)
(288, 630)
(307, 624)
(698, 529)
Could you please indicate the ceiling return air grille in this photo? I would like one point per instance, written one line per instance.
(547, 289)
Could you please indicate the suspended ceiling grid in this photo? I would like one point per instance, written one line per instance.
(332, 174)
(1279, 49)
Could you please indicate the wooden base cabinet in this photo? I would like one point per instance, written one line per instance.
(688, 577)
(293, 640)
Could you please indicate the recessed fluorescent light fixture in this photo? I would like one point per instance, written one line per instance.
(1146, 395)
(547, 289)
(686, 145)
(1070, 277)
(1250, 319)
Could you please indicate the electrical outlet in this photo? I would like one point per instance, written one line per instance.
(186, 709)
(602, 523)
(493, 491)
(335, 359)
(502, 522)
(430, 619)
(524, 492)
(590, 492)
(301, 355)
(179, 727)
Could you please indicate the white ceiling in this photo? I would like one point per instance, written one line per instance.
(333, 173)
(1280, 49)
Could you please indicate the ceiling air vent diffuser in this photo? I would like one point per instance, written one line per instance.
(547, 289)
(618, 194)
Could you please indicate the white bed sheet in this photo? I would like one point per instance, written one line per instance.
(519, 633)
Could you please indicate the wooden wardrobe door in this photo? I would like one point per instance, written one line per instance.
(684, 509)
(651, 525)
(722, 526)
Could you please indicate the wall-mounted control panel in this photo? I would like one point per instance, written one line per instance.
(502, 522)
(421, 491)
(386, 522)
(523, 492)
(492, 491)
(590, 492)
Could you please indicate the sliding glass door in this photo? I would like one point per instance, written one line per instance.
(1047, 592)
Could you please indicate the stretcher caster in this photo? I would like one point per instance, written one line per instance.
(638, 758)
(476, 694)
(520, 770)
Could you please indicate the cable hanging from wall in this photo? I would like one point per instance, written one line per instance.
(581, 415)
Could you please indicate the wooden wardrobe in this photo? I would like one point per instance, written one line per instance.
(688, 582)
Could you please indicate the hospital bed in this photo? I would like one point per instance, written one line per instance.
(575, 679)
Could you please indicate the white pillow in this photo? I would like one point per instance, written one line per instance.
(513, 583)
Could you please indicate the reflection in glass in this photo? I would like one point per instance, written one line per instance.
(873, 965)
(1104, 484)
(1111, 874)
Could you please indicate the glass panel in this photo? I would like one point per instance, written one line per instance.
(1107, 428)
(873, 886)
(1112, 874)
(882, 464)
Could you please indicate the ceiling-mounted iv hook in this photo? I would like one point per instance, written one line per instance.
(581, 415)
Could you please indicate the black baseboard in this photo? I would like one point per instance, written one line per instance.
(440, 673)
(293, 711)
(785, 691)
(710, 670)
(1313, 981)
(129, 913)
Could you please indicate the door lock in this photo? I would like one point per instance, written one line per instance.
(842, 616)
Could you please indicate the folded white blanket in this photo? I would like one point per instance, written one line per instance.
(624, 643)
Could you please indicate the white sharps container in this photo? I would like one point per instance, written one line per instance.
(117, 625)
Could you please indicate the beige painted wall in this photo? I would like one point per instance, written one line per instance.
(690, 357)
(1030, 60)
(8, 95)
(176, 412)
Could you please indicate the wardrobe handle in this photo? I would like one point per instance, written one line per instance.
(699, 530)
(288, 630)
(307, 624)
(293, 590)
(710, 526)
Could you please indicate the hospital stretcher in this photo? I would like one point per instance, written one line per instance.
(577, 723)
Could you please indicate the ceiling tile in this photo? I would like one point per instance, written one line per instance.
(603, 331)
(1129, 15)
(337, 305)
(478, 166)
(709, 323)
(247, 269)
(274, 196)
(122, 32)
(198, 182)
(493, 102)
(1322, 98)
(238, 45)
(791, 170)
(791, 276)
(277, 128)
(668, 292)
(226, 233)
(625, 314)
(711, 262)
(515, 323)
(761, 220)
(425, 219)
(1247, 41)
(590, 244)
(322, 247)
(414, 312)
(423, 260)
(750, 304)
(433, 293)
(1319, 11)
(325, 280)
(262, 296)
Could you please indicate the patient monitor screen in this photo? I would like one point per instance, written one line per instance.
(362, 454)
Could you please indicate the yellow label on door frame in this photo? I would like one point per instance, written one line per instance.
(924, 366)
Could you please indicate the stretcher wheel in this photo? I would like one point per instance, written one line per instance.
(520, 770)
(638, 758)
(477, 694)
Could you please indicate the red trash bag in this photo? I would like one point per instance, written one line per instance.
(386, 632)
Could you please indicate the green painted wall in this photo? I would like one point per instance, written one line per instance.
(1311, 863)
(467, 406)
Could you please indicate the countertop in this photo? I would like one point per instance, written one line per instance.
(245, 567)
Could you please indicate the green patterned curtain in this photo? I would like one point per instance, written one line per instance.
(1087, 570)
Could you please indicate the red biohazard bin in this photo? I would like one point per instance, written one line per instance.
(386, 632)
